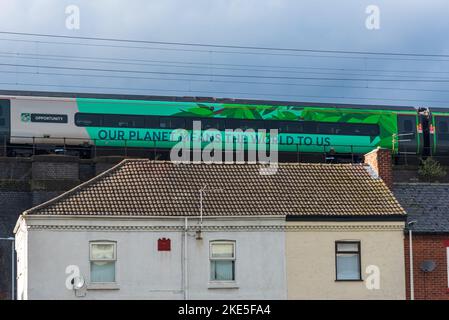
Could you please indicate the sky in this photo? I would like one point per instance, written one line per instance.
(413, 27)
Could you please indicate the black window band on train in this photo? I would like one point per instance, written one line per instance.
(170, 122)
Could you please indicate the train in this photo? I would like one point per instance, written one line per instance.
(34, 122)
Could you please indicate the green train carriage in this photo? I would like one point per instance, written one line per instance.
(146, 122)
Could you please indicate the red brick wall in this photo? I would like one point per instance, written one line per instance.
(380, 160)
(432, 285)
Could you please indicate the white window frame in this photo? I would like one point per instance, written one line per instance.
(114, 244)
(211, 243)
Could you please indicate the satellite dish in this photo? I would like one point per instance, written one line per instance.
(78, 283)
(428, 265)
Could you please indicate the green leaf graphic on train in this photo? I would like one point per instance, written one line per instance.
(199, 111)
(285, 115)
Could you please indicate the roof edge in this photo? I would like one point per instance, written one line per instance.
(385, 217)
(78, 187)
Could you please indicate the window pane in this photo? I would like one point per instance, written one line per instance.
(408, 126)
(152, 122)
(88, 120)
(326, 128)
(348, 267)
(102, 271)
(177, 123)
(164, 123)
(442, 127)
(102, 252)
(222, 250)
(222, 270)
(342, 247)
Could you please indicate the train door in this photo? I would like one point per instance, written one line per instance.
(407, 142)
(4, 125)
(425, 133)
(442, 134)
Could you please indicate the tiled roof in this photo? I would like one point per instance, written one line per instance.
(427, 203)
(156, 188)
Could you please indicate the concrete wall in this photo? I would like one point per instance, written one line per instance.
(142, 272)
(310, 251)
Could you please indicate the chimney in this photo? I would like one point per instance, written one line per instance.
(380, 162)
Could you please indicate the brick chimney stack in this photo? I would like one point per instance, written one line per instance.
(380, 161)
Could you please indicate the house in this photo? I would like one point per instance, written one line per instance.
(159, 230)
(346, 243)
(427, 205)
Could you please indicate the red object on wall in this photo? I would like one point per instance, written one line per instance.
(163, 244)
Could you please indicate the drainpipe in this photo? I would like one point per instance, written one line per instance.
(186, 283)
(410, 247)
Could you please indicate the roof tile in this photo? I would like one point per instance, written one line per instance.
(157, 188)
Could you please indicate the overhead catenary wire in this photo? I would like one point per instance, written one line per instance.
(212, 77)
(226, 92)
(211, 66)
(191, 44)
(225, 81)
(442, 80)
(320, 56)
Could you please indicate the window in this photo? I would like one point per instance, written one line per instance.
(408, 126)
(209, 124)
(171, 123)
(347, 259)
(151, 122)
(102, 262)
(123, 121)
(327, 128)
(177, 123)
(88, 120)
(442, 126)
(222, 261)
(290, 127)
(443, 129)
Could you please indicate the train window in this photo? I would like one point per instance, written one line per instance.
(177, 123)
(172, 123)
(442, 126)
(1, 111)
(357, 129)
(327, 128)
(123, 121)
(164, 123)
(408, 126)
(232, 123)
(290, 127)
(250, 124)
(88, 120)
(310, 127)
(151, 122)
(211, 124)
(2, 122)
